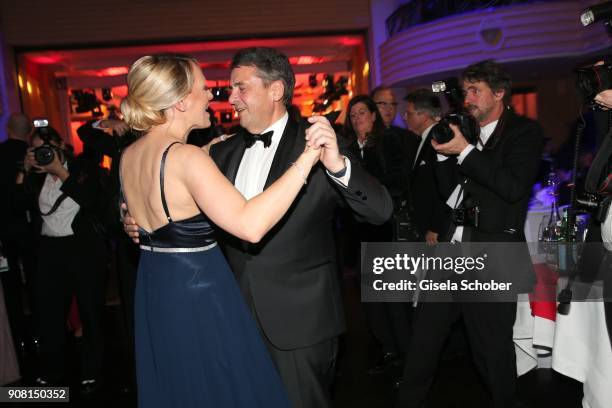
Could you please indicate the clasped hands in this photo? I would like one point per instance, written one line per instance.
(321, 138)
(321, 144)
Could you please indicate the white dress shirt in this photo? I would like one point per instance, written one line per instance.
(422, 142)
(456, 197)
(257, 161)
(59, 223)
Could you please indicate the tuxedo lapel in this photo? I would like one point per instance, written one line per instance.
(423, 154)
(286, 152)
(230, 167)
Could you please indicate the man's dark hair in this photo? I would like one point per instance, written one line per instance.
(425, 100)
(272, 65)
(492, 74)
(380, 88)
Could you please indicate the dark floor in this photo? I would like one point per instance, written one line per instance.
(457, 384)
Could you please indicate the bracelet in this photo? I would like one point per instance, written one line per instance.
(300, 171)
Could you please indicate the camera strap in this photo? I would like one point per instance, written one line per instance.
(459, 198)
(597, 178)
(56, 205)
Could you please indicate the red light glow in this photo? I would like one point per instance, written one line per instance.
(112, 71)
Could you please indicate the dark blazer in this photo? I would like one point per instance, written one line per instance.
(12, 220)
(499, 179)
(429, 209)
(85, 185)
(290, 276)
(386, 161)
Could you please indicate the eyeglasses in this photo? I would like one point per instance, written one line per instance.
(387, 105)
(360, 112)
(409, 113)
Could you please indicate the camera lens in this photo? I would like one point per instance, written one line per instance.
(441, 132)
(44, 155)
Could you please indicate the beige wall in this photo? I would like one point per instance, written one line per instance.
(62, 22)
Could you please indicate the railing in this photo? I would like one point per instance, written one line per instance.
(415, 12)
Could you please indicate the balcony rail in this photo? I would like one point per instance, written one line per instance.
(415, 12)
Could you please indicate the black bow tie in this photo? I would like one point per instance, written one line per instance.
(251, 138)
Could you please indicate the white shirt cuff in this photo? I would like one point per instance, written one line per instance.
(344, 180)
(464, 153)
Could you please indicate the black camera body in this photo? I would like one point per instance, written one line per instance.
(45, 154)
(594, 204)
(594, 79)
(458, 116)
(466, 216)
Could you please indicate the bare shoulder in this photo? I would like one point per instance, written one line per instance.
(190, 155)
(192, 160)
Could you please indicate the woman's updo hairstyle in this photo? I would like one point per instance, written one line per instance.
(155, 83)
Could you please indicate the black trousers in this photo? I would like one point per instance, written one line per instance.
(66, 266)
(307, 373)
(489, 332)
(390, 323)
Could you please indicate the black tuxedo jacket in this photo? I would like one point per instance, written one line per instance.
(387, 161)
(290, 276)
(499, 179)
(430, 211)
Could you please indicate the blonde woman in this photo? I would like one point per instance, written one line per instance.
(196, 342)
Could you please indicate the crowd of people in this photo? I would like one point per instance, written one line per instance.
(232, 295)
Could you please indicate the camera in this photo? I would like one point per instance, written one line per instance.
(404, 228)
(458, 116)
(44, 154)
(466, 216)
(594, 79)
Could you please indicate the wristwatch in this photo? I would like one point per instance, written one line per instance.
(339, 174)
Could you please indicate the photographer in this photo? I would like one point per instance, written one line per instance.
(110, 137)
(488, 185)
(68, 196)
(16, 240)
(599, 181)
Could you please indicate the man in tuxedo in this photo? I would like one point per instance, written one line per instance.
(385, 101)
(496, 174)
(16, 235)
(289, 277)
(431, 215)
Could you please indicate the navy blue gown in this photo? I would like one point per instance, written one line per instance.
(196, 342)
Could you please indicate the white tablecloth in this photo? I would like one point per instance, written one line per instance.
(580, 346)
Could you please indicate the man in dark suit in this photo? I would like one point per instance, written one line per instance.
(289, 277)
(385, 101)
(431, 215)
(16, 236)
(496, 175)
